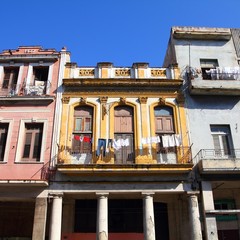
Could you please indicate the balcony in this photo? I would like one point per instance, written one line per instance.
(216, 81)
(176, 159)
(26, 94)
(218, 161)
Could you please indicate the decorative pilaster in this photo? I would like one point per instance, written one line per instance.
(148, 216)
(102, 216)
(145, 131)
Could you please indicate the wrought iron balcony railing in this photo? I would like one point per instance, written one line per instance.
(172, 155)
(25, 90)
(217, 154)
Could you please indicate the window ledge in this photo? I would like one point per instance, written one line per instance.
(24, 183)
(29, 162)
(26, 100)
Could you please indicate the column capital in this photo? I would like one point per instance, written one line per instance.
(65, 100)
(146, 194)
(143, 100)
(193, 193)
(102, 194)
(55, 195)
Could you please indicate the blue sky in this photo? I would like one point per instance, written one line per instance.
(117, 31)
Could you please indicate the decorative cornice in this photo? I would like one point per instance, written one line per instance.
(150, 82)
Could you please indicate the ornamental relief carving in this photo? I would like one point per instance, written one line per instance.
(162, 101)
(158, 72)
(122, 72)
(123, 100)
(83, 100)
(86, 72)
(143, 100)
(65, 100)
(103, 99)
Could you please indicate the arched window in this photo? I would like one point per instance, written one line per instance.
(124, 134)
(164, 128)
(163, 120)
(82, 129)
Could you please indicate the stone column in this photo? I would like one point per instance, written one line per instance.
(208, 204)
(148, 216)
(56, 217)
(196, 233)
(40, 217)
(102, 216)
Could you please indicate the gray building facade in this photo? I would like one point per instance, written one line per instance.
(208, 59)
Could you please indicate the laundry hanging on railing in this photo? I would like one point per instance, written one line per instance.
(104, 145)
(150, 140)
(119, 143)
(171, 140)
(222, 73)
(82, 138)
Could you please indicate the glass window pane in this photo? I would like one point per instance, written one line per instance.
(163, 111)
(37, 145)
(87, 124)
(27, 145)
(78, 124)
(3, 139)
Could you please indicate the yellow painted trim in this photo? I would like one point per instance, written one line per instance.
(111, 127)
(175, 116)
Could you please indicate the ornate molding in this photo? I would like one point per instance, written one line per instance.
(158, 72)
(105, 107)
(86, 72)
(123, 100)
(103, 99)
(143, 100)
(122, 72)
(83, 100)
(162, 101)
(65, 100)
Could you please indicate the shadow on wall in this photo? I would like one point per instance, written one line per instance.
(213, 102)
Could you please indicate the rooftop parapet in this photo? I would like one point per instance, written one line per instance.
(108, 70)
(201, 33)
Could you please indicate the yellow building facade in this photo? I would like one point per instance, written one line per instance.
(124, 155)
(118, 97)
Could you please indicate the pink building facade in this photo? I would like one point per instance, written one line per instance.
(29, 82)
